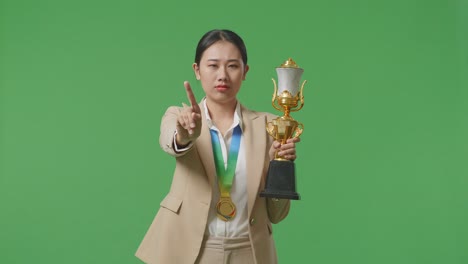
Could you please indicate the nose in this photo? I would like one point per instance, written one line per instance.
(222, 74)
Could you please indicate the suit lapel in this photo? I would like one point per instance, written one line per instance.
(255, 145)
(204, 148)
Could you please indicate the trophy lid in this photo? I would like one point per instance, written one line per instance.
(290, 63)
(289, 76)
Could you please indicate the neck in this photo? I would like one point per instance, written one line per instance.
(222, 114)
(221, 111)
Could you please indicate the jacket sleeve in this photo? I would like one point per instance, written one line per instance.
(168, 130)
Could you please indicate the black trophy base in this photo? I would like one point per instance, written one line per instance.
(281, 181)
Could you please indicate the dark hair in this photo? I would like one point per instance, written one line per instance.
(215, 35)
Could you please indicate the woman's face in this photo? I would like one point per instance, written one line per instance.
(221, 71)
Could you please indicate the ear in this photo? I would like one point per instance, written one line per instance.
(196, 70)
(245, 71)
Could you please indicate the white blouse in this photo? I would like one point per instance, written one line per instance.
(239, 225)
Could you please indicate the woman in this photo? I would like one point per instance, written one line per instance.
(213, 213)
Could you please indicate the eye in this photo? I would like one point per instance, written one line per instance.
(234, 66)
(212, 65)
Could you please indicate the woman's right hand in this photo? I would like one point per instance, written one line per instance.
(188, 120)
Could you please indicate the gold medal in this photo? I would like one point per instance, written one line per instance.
(226, 209)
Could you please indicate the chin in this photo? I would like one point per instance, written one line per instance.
(223, 98)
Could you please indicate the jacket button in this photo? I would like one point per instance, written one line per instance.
(252, 221)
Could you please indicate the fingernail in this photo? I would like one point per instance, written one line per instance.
(192, 125)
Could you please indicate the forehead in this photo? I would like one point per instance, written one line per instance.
(222, 50)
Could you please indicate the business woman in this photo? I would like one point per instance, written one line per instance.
(213, 213)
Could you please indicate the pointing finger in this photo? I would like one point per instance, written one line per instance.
(191, 97)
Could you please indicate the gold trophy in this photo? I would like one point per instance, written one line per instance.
(281, 178)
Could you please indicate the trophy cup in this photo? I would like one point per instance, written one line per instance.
(281, 178)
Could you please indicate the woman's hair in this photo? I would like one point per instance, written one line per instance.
(215, 35)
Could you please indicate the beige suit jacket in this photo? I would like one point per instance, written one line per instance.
(177, 231)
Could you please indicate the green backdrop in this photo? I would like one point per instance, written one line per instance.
(382, 167)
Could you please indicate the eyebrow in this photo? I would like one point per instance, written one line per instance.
(230, 60)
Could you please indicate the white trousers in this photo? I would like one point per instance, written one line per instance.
(224, 250)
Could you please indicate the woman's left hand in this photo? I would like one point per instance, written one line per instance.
(287, 150)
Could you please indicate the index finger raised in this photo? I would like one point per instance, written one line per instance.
(191, 97)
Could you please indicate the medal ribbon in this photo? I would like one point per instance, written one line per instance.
(226, 174)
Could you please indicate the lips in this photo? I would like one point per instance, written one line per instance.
(221, 87)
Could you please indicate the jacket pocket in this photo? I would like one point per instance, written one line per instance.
(172, 203)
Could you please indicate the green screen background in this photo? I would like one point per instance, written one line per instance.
(382, 164)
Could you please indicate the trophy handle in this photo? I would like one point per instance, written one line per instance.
(270, 128)
(298, 131)
(274, 96)
(301, 97)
